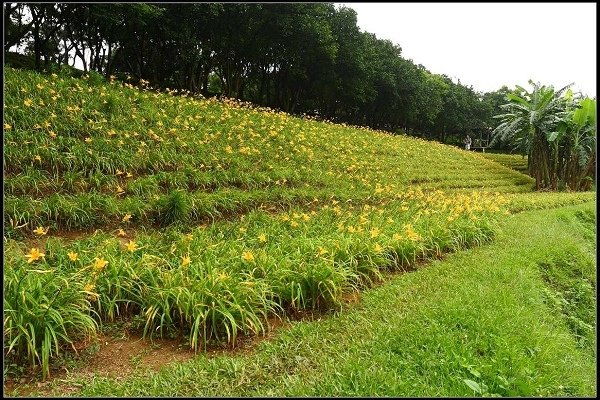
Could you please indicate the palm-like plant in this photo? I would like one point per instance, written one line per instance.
(578, 134)
(530, 120)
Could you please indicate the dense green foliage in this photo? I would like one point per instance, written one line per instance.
(298, 58)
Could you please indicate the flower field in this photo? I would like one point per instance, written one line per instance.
(203, 218)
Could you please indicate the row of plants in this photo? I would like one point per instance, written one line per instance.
(219, 280)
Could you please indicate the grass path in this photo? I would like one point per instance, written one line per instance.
(481, 321)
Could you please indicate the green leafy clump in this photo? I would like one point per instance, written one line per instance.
(175, 207)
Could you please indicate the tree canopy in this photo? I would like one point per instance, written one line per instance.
(298, 57)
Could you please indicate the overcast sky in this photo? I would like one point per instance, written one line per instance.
(487, 45)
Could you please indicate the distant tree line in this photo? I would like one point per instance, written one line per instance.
(301, 58)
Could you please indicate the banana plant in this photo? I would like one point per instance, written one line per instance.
(577, 135)
(530, 118)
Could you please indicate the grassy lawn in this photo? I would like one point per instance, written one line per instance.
(513, 318)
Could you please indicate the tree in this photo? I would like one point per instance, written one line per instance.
(529, 123)
(575, 143)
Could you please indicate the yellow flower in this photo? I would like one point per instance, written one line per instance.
(185, 261)
(34, 255)
(120, 190)
(28, 102)
(322, 251)
(222, 276)
(100, 264)
(89, 287)
(294, 224)
(262, 238)
(412, 235)
(374, 232)
(7, 127)
(40, 231)
(37, 158)
(131, 246)
(397, 236)
(127, 217)
(120, 232)
(52, 134)
(73, 256)
(377, 248)
(88, 139)
(248, 256)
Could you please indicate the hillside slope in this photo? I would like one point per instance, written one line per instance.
(207, 218)
(70, 143)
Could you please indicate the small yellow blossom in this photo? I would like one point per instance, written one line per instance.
(397, 236)
(377, 248)
(88, 139)
(222, 276)
(52, 134)
(40, 231)
(89, 287)
(34, 255)
(37, 158)
(28, 102)
(262, 238)
(120, 232)
(7, 127)
(127, 217)
(100, 264)
(248, 256)
(322, 251)
(131, 246)
(185, 261)
(73, 256)
(374, 232)
(294, 224)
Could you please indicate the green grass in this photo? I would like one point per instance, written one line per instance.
(480, 319)
(513, 161)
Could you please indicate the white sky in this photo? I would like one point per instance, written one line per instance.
(487, 45)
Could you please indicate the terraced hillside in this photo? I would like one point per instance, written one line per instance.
(205, 218)
(81, 154)
(514, 161)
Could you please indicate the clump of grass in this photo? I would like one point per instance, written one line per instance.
(43, 311)
(174, 207)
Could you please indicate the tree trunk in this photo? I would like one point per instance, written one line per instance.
(540, 161)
